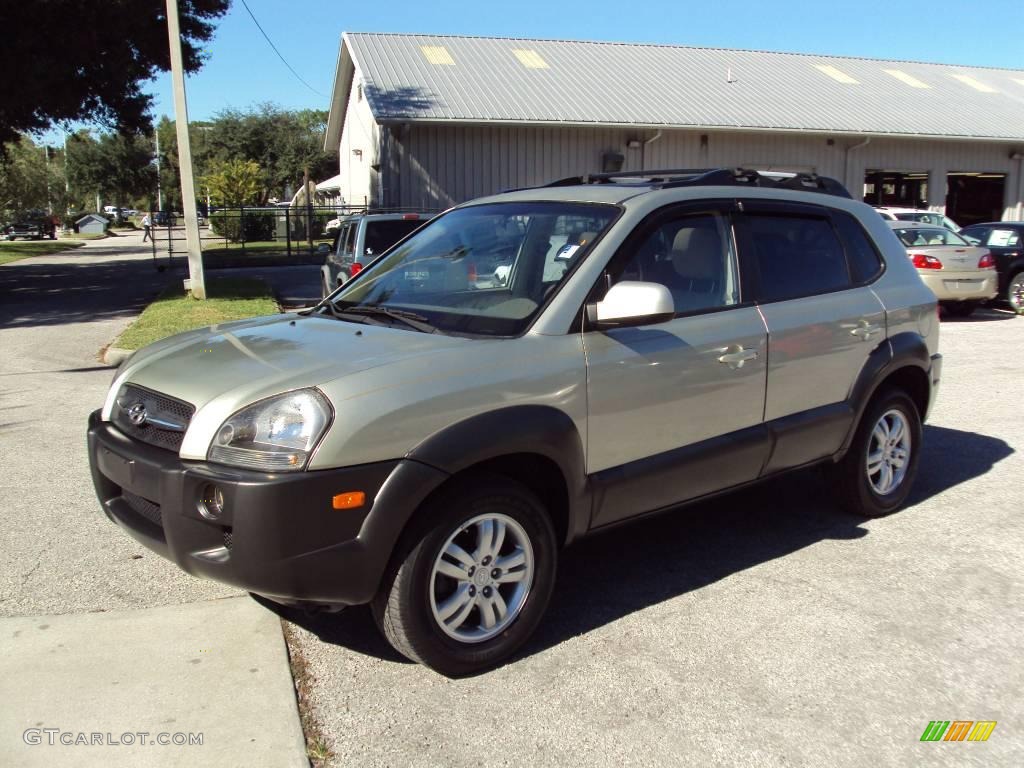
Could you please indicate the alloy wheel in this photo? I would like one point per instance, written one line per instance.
(888, 454)
(481, 578)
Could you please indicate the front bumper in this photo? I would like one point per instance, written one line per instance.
(961, 286)
(278, 535)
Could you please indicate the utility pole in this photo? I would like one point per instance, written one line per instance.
(67, 184)
(197, 282)
(309, 208)
(159, 191)
(49, 196)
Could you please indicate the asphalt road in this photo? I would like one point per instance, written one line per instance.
(766, 628)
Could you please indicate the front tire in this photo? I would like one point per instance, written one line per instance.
(474, 577)
(878, 471)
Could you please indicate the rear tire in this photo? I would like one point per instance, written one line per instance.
(463, 613)
(878, 471)
(959, 308)
(1015, 293)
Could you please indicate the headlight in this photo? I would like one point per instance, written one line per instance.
(274, 435)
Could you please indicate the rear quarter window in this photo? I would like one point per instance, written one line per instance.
(864, 259)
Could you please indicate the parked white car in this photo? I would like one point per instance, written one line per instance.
(921, 217)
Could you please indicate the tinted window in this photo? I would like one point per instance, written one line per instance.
(797, 256)
(381, 235)
(693, 257)
(1003, 238)
(863, 259)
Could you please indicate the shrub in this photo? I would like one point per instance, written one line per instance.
(238, 225)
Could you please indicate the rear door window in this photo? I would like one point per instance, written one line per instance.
(797, 253)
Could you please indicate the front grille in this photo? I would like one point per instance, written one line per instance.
(171, 417)
(148, 509)
(227, 538)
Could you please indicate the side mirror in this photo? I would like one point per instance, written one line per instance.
(323, 249)
(632, 303)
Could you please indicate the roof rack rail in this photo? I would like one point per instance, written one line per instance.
(703, 177)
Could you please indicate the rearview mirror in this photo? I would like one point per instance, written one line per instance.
(632, 302)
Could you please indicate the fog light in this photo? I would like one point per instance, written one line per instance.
(211, 502)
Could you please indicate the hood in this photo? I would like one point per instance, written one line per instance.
(251, 359)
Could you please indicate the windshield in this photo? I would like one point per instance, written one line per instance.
(924, 237)
(485, 269)
(922, 216)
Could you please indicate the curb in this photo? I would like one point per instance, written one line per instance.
(114, 356)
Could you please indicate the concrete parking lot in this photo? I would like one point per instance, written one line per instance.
(764, 628)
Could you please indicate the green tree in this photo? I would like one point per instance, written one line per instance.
(31, 179)
(72, 60)
(117, 167)
(234, 182)
(283, 142)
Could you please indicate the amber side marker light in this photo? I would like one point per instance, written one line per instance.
(349, 500)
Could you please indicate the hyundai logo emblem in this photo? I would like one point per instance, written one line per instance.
(137, 414)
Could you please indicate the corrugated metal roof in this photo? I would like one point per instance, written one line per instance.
(594, 83)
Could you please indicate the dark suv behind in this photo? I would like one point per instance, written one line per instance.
(362, 238)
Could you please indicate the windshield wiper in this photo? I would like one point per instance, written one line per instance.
(411, 319)
(336, 313)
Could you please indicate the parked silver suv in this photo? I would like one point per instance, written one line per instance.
(426, 441)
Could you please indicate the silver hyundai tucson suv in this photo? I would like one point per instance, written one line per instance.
(427, 439)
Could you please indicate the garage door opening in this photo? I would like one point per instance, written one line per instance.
(902, 189)
(974, 197)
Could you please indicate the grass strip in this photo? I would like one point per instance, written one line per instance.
(175, 310)
(13, 250)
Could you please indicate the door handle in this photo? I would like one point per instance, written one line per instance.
(735, 356)
(865, 330)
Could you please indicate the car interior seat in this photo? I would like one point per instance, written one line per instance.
(697, 278)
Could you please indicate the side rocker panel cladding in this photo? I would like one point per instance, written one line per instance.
(520, 429)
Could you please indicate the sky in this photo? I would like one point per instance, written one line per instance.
(242, 69)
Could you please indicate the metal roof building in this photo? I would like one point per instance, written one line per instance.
(433, 120)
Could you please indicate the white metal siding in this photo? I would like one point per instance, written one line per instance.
(360, 133)
(437, 165)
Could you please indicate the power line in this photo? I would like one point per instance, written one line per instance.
(271, 43)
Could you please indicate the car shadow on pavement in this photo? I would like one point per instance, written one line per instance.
(610, 575)
(982, 315)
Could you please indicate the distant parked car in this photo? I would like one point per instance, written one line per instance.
(1004, 239)
(31, 229)
(361, 239)
(164, 219)
(960, 275)
(922, 217)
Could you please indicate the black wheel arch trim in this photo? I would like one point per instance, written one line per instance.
(518, 429)
(902, 350)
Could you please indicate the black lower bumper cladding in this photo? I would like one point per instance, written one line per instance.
(278, 534)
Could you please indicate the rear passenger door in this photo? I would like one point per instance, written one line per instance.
(813, 268)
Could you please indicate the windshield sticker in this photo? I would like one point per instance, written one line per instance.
(566, 251)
